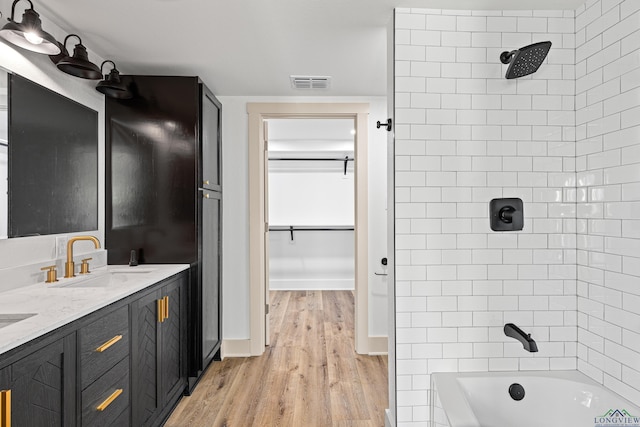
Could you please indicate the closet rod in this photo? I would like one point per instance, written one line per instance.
(322, 159)
(291, 229)
(303, 159)
(4, 144)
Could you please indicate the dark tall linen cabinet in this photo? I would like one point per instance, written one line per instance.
(164, 194)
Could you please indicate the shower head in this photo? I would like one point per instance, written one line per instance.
(525, 61)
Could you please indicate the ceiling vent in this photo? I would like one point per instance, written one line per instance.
(310, 82)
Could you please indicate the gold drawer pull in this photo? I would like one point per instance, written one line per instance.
(5, 408)
(101, 407)
(166, 307)
(109, 343)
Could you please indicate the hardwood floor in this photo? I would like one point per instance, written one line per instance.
(309, 376)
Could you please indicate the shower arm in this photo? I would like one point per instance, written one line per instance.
(505, 57)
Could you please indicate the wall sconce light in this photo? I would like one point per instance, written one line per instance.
(77, 65)
(29, 34)
(112, 86)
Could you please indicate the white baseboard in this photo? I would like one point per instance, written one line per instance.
(378, 346)
(388, 422)
(236, 348)
(311, 284)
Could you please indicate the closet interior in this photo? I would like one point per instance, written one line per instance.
(311, 193)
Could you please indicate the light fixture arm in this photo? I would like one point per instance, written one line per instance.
(13, 9)
(104, 62)
(71, 35)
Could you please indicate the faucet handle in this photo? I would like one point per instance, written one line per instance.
(52, 274)
(84, 268)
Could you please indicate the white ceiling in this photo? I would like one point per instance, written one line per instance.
(251, 47)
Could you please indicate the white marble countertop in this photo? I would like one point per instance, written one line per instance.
(57, 304)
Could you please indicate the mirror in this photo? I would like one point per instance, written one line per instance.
(48, 161)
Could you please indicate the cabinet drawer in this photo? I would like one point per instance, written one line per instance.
(102, 344)
(109, 393)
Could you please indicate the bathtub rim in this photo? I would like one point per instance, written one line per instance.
(448, 389)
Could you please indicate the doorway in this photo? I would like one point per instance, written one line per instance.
(258, 219)
(311, 219)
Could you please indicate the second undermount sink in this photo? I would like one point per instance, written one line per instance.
(104, 279)
(11, 318)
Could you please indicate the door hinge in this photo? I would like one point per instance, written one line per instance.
(266, 309)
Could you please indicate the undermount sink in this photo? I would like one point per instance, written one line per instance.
(10, 319)
(101, 280)
(130, 270)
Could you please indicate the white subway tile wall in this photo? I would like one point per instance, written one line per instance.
(607, 164)
(566, 140)
(466, 135)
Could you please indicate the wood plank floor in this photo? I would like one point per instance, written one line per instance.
(309, 376)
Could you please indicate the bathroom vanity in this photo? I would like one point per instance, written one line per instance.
(105, 349)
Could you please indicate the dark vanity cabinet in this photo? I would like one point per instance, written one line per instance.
(164, 193)
(123, 365)
(42, 381)
(158, 352)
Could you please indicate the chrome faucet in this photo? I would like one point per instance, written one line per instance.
(528, 343)
(69, 266)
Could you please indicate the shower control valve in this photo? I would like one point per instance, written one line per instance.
(506, 214)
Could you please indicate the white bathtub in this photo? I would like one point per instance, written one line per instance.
(552, 399)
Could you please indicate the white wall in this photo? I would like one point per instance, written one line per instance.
(38, 68)
(465, 135)
(236, 220)
(311, 193)
(608, 180)
(313, 260)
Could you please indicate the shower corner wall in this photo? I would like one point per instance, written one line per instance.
(466, 135)
(567, 141)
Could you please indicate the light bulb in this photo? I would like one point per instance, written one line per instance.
(33, 38)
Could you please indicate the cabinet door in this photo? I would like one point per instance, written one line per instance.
(172, 343)
(42, 384)
(145, 338)
(211, 275)
(211, 140)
